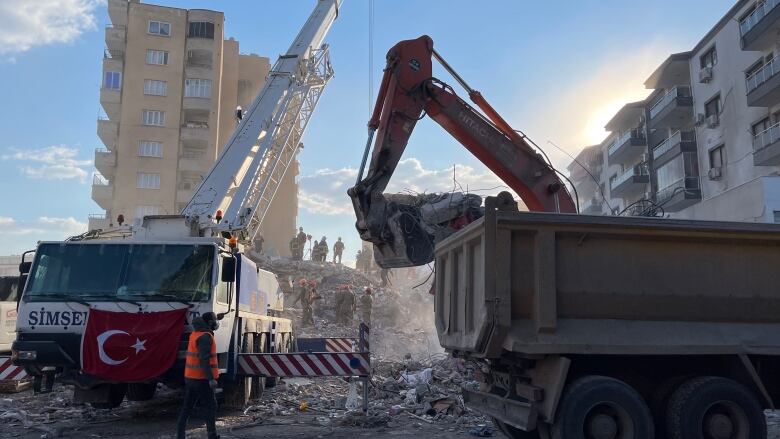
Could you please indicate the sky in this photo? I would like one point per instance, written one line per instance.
(556, 70)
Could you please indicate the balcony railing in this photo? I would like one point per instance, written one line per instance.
(682, 185)
(672, 141)
(634, 171)
(769, 70)
(97, 216)
(766, 137)
(623, 139)
(679, 91)
(759, 13)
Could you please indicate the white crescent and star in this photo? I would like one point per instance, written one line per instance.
(101, 340)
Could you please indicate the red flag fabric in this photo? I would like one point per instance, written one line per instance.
(127, 347)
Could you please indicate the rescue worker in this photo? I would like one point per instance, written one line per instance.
(301, 289)
(315, 251)
(348, 306)
(302, 237)
(294, 248)
(323, 250)
(200, 375)
(308, 303)
(366, 302)
(338, 249)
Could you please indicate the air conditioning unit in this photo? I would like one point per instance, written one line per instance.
(700, 118)
(715, 173)
(705, 75)
(713, 120)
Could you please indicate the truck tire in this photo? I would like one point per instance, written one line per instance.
(116, 394)
(141, 391)
(515, 433)
(596, 407)
(714, 407)
(238, 391)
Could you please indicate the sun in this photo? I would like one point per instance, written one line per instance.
(594, 131)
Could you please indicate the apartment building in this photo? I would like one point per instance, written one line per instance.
(171, 86)
(705, 143)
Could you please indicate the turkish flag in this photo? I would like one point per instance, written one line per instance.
(128, 347)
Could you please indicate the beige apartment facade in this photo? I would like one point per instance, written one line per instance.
(170, 88)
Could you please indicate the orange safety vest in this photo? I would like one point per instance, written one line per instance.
(192, 367)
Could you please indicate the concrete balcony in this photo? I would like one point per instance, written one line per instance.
(200, 44)
(98, 221)
(631, 183)
(592, 207)
(196, 104)
(117, 12)
(627, 147)
(108, 132)
(766, 147)
(105, 162)
(763, 86)
(676, 144)
(192, 162)
(111, 101)
(680, 194)
(198, 70)
(759, 29)
(195, 131)
(102, 191)
(116, 38)
(674, 109)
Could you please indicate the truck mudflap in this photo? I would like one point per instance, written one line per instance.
(522, 415)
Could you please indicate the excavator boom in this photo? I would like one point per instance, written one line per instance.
(408, 92)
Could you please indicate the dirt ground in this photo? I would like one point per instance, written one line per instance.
(156, 420)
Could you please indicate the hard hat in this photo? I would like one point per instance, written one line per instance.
(302, 281)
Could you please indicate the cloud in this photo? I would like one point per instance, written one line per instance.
(43, 228)
(324, 192)
(57, 162)
(25, 24)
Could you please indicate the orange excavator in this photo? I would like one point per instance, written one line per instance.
(408, 92)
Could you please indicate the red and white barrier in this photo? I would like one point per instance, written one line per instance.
(8, 371)
(339, 344)
(335, 364)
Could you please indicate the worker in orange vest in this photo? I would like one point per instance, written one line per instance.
(200, 374)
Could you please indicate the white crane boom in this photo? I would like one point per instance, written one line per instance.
(250, 168)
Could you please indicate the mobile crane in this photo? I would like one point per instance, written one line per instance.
(199, 259)
(409, 91)
(580, 327)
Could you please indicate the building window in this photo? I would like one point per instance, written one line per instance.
(201, 29)
(716, 157)
(777, 215)
(148, 181)
(709, 59)
(160, 28)
(712, 107)
(155, 88)
(142, 211)
(148, 148)
(153, 117)
(157, 57)
(112, 80)
(197, 88)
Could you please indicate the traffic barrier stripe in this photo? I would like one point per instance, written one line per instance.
(305, 364)
(10, 372)
(339, 344)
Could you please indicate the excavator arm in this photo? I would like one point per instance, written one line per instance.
(408, 92)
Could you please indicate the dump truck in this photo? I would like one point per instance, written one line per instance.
(579, 327)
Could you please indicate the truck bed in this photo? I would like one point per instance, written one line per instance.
(535, 283)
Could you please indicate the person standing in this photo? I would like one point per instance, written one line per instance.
(200, 375)
(338, 249)
(366, 302)
(301, 290)
(294, 248)
(349, 305)
(308, 304)
(323, 250)
(315, 251)
(302, 237)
